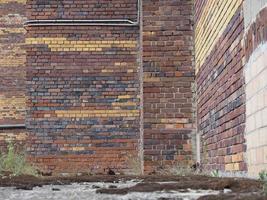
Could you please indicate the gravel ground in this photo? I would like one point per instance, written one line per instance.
(102, 187)
(87, 191)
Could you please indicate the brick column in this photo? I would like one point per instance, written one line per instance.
(168, 79)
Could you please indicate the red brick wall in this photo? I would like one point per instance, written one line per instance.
(83, 96)
(95, 9)
(83, 87)
(83, 84)
(221, 99)
(256, 33)
(168, 80)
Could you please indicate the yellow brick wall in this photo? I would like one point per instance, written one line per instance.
(10, 107)
(213, 21)
(96, 113)
(11, 1)
(63, 44)
(12, 62)
(17, 137)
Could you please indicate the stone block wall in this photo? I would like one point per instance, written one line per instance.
(256, 90)
(12, 72)
(168, 80)
(219, 30)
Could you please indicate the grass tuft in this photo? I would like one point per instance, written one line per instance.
(215, 173)
(178, 170)
(134, 164)
(263, 177)
(15, 163)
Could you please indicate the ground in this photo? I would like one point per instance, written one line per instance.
(130, 187)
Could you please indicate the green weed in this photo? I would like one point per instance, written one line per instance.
(263, 177)
(15, 163)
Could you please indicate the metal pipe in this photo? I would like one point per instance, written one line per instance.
(89, 22)
(8, 126)
(52, 23)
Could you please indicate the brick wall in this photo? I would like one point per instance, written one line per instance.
(83, 96)
(97, 94)
(256, 91)
(219, 32)
(85, 87)
(252, 9)
(168, 78)
(211, 19)
(12, 71)
(17, 137)
(96, 9)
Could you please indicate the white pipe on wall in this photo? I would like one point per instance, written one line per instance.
(91, 22)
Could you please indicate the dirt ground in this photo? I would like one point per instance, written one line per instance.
(241, 189)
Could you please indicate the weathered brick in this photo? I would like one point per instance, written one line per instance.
(220, 84)
(12, 62)
(168, 62)
(83, 85)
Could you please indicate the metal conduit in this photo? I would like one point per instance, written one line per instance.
(10, 126)
(92, 22)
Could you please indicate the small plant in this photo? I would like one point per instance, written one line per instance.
(263, 177)
(205, 154)
(178, 170)
(182, 170)
(134, 164)
(215, 173)
(15, 163)
(265, 188)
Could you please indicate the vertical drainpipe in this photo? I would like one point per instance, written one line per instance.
(198, 147)
(197, 133)
(141, 81)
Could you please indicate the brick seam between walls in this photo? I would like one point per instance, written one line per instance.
(141, 80)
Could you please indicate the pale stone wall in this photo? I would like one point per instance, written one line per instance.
(251, 9)
(256, 110)
(255, 46)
